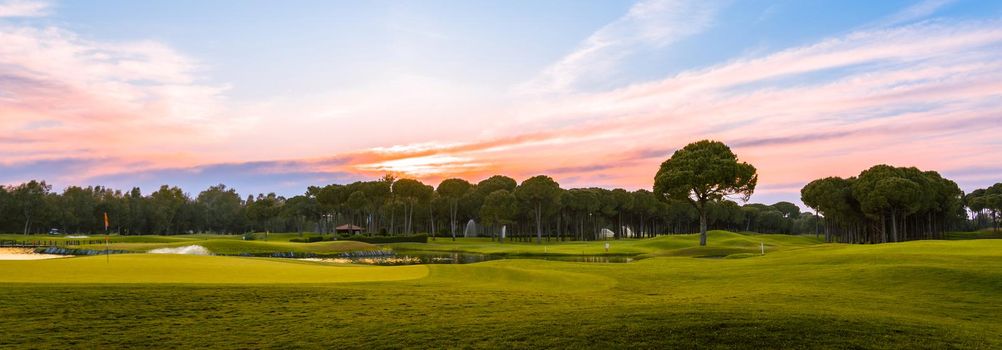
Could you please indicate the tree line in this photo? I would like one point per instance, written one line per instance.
(986, 206)
(886, 204)
(537, 208)
(696, 189)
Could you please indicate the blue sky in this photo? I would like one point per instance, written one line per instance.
(263, 48)
(264, 95)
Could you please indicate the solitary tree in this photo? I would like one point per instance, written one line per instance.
(702, 172)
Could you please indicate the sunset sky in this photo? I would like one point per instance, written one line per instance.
(269, 96)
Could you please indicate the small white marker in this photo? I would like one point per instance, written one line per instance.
(763, 247)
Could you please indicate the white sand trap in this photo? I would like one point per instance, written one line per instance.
(77, 236)
(25, 254)
(186, 250)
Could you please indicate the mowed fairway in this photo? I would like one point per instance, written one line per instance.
(927, 294)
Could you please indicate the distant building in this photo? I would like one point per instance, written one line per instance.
(348, 229)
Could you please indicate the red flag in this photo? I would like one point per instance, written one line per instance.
(106, 221)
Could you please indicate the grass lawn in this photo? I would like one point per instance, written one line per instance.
(724, 243)
(983, 234)
(926, 294)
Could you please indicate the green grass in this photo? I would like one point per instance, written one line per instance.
(984, 234)
(801, 294)
(724, 243)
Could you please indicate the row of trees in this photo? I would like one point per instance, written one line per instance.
(534, 208)
(692, 191)
(986, 206)
(537, 208)
(32, 207)
(886, 204)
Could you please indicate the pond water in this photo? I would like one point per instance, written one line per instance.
(400, 257)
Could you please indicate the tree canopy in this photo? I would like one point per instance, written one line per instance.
(703, 172)
(885, 204)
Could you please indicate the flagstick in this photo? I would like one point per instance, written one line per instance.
(107, 252)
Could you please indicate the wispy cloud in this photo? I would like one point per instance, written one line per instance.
(911, 92)
(24, 8)
(899, 95)
(918, 11)
(648, 24)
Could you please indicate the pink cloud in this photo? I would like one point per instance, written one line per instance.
(23, 8)
(924, 95)
(929, 99)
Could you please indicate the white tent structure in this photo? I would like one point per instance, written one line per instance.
(606, 233)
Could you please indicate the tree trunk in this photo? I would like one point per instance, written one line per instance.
(452, 222)
(539, 225)
(619, 222)
(883, 228)
(560, 229)
(894, 226)
(817, 221)
(431, 215)
(702, 226)
(828, 231)
(929, 233)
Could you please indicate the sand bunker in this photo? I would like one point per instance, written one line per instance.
(25, 254)
(185, 250)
